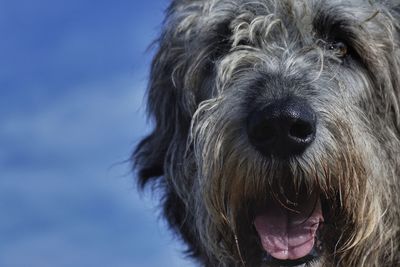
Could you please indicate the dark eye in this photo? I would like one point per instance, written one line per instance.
(339, 48)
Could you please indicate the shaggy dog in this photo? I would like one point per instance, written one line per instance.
(277, 131)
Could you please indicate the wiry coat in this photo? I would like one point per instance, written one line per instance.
(217, 60)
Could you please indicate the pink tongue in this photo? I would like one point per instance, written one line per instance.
(286, 234)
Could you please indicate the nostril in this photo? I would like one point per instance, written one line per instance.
(301, 130)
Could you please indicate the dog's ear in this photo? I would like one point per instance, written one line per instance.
(169, 104)
(164, 104)
(187, 51)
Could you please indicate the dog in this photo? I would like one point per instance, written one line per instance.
(276, 133)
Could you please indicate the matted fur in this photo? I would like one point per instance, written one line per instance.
(217, 60)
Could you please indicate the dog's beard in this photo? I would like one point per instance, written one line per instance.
(253, 205)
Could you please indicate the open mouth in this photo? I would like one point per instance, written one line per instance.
(288, 233)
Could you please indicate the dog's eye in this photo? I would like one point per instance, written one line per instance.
(339, 48)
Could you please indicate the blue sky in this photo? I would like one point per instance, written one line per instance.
(72, 80)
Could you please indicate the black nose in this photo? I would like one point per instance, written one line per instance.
(284, 128)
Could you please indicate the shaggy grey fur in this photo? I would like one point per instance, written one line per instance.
(217, 61)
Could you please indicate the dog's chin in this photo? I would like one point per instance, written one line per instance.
(289, 233)
(269, 261)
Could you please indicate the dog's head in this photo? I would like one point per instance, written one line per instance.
(277, 130)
